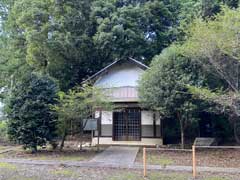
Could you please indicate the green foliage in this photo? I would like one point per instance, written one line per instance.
(70, 40)
(139, 30)
(171, 131)
(209, 39)
(212, 7)
(31, 121)
(34, 24)
(215, 45)
(3, 130)
(47, 36)
(168, 77)
(72, 55)
(164, 86)
(76, 106)
(223, 128)
(73, 39)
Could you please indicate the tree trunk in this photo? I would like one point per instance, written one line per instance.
(54, 144)
(34, 149)
(182, 130)
(81, 140)
(63, 140)
(182, 137)
(236, 129)
(80, 147)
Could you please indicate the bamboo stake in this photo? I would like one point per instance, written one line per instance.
(194, 161)
(144, 163)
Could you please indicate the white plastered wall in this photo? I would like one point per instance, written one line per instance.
(147, 118)
(106, 117)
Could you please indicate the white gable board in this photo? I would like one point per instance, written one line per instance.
(120, 75)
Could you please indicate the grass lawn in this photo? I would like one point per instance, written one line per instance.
(154, 175)
(2, 148)
(212, 158)
(30, 172)
(46, 154)
(20, 172)
(151, 176)
(159, 160)
(7, 166)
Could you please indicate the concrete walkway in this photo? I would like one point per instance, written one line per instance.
(117, 155)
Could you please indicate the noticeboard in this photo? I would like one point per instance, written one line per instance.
(90, 124)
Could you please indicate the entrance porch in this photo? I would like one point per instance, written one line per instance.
(128, 126)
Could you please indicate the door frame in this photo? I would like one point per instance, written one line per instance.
(124, 116)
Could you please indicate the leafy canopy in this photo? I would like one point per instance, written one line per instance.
(73, 39)
(76, 106)
(164, 87)
(215, 45)
(31, 120)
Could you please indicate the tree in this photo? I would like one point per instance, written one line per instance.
(47, 36)
(140, 29)
(215, 45)
(221, 102)
(31, 121)
(76, 106)
(74, 39)
(13, 64)
(213, 7)
(164, 87)
(72, 54)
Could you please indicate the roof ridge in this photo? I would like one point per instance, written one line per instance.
(113, 63)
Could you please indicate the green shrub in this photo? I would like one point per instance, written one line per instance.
(3, 130)
(31, 122)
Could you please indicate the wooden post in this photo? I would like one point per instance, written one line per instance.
(194, 170)
(92, 135)
(144, 163)
(99, 129)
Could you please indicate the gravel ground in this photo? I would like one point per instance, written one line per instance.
(33, 172)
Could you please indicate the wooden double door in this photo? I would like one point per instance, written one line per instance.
(127, 125)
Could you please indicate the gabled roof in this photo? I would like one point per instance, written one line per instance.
(138, 63)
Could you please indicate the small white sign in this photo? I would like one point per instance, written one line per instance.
(97, 114)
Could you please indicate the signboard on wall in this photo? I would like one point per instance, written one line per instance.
(90, 124)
